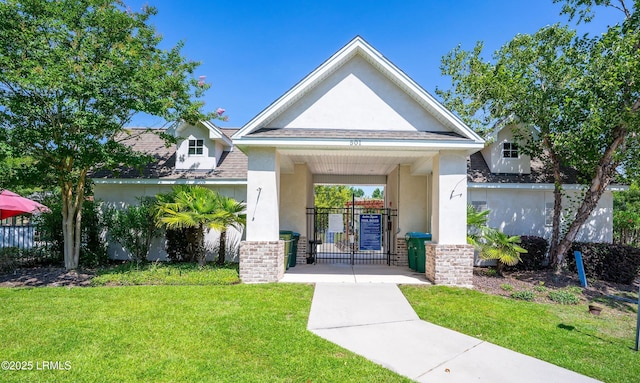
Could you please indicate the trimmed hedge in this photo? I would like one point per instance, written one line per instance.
(536, 256)
(608, 262)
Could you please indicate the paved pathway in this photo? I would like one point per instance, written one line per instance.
(376, 321)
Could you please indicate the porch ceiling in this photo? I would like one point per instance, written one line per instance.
(341, 162)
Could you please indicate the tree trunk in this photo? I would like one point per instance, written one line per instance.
(222, 251)
(557, 205)
(201, 254)
(603, 177)
(72, 220)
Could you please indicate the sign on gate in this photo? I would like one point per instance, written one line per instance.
(371, 232)
(336, 223)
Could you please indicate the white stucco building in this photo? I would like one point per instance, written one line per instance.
(358, 120)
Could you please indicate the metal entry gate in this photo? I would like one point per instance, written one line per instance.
(354, 235)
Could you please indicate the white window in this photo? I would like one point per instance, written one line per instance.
(510, 150)
(548, 214)
(479, 205)
(196, 147)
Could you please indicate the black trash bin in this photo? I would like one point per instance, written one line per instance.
(294, 249)
(416, 250)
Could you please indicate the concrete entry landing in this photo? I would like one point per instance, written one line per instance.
(345, 273)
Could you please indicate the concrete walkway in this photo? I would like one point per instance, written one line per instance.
(376, 321)
(346, 273)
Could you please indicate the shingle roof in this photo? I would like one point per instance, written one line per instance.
(232, 165)
(353, 134)
(478, 172)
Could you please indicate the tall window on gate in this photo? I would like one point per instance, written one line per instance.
(196, 147)
(510, 150)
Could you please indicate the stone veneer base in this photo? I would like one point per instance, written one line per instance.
(261, 261)
(450, 265)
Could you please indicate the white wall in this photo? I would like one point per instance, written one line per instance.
(449, 207)
(493, 156)
(294, 192)
(346, 99)
(120, 196)
(207, 160)
(263, 195)
(522, 212)
(413, 202)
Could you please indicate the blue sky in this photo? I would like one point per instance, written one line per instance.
(254, 51)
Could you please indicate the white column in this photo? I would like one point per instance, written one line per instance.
(263, 184)
(449, 206)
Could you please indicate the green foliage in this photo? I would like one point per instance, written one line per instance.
(608, 262)
(357, 192)
(198, 208)
(377, 194)
(524, 295)
(157, 273)
(506, 287)
(134, 227)
(328, 196)
(563, 297)
(476, 226)
(626, 216)
(73, 74)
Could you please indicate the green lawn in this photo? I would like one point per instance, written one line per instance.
(157, 273)
(237, 333)
(565, 335)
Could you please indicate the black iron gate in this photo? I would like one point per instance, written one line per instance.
(354, 235)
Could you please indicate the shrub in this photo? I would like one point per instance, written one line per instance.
(524, 295)
(536, 256)
(506, 287)
(608, 262)
(563, 297)
(134, 227)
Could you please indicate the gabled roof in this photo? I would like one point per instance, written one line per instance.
(232, 166)
(215, 134)
(358, 46)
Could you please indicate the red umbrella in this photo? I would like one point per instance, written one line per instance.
(12, 204)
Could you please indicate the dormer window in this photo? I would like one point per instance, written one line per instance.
(510, 150)
(196, 147)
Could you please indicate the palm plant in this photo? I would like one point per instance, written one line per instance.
(492, 243)
(503, 248)
(189, 207)
(230, 214)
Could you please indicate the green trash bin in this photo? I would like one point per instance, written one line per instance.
(416, 250)
(294, 250)
(287, 237)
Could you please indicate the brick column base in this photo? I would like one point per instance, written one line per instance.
(450, 265)
(401, 257)
(301, 256)
(261, 261)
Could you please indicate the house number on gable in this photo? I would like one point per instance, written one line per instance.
(355, 142)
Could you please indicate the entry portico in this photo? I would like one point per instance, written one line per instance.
(358, 119)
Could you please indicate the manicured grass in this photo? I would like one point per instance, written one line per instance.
(238, 333)
(157, 273)
(565, 335)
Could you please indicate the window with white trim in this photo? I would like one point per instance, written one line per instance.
(196, 147)
(510, 150)
(548, 214)
(479, 205)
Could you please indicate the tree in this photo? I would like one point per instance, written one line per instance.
(357, 192)
(72, 75)
(328, 196)
(134, 227)
(626, 216)
(230, 214)
(377, 194)
(580, 94)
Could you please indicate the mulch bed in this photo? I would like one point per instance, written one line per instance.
(46, 276)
